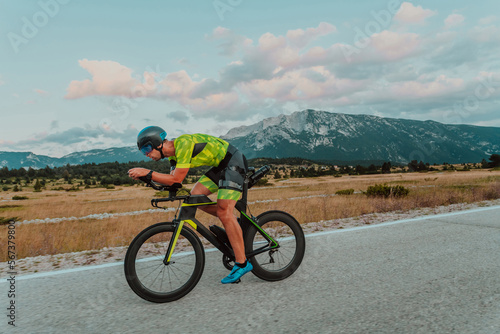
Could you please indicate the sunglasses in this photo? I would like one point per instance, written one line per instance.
(146, 149)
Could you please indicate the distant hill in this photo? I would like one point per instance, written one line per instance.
(28, 159)
(321, 136)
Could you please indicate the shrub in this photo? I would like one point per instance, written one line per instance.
(262, 183)
(384, 190)
(37, 187)
(345, 192)
(399, 191)
(18, 198)
(7, 220)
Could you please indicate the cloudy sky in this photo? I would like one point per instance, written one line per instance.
(77, 75)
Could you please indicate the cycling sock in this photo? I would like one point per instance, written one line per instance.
(241, 265)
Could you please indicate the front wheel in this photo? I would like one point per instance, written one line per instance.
(149, 277)
(280, 262)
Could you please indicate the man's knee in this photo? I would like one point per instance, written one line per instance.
(200, 189)
(225, 209)
(222, 212)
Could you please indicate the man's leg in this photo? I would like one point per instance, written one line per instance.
(225, 209)
(225, 212)
(202, 189)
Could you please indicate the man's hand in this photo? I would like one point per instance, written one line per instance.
(136, 173)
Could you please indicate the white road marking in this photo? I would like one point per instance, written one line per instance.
(317, 234)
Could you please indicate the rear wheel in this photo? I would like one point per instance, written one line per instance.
(150, 278)
(280, 262)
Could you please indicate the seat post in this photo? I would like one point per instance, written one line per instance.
(241, 205)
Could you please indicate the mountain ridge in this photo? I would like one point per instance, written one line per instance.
(321, 136)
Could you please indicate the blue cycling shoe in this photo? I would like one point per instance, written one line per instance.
(236, 273)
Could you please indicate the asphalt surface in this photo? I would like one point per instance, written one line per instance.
(436, 274)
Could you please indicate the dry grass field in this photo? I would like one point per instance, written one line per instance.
(92, 219)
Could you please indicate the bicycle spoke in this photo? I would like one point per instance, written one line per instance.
(153, 265)
(152, 283)
(152, 271)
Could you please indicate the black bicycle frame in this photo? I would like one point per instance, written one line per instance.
(187, 216)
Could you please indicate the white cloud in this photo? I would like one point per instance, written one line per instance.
(408, 13)
(491, 122)
(75, 139)
(300, 38)
(41, 92)
(303, 84)
(269, 43)
(393, 46)
(108, 78)
(231, 42)
(453, 20)
(290, 69)
(1, 81)
(181, 88)
(422, 87)
(488, 20)
(486, 34)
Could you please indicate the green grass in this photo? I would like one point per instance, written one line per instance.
(404, 182)
(345, 192)
(19, 198)
(7, 220)
(10, 207)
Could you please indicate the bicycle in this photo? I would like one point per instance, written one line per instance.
(166, 260)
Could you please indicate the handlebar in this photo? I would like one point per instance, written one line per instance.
(172, 191)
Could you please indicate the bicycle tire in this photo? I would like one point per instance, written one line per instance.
(279, 263)
(146, 273)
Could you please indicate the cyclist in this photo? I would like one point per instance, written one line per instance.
(226, 176)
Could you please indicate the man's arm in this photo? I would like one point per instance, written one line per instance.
(177, 176)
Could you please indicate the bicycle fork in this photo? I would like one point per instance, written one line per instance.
(173, 241)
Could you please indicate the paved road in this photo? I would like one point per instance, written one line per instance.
(438, 274)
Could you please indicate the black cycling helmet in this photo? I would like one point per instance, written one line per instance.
(150, 138)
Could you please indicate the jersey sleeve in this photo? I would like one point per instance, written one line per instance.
(173, 163)
(183, 152)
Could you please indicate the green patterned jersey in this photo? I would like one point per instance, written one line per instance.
(198, 150)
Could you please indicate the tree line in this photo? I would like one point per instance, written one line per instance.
(90, 174)
(114, 173)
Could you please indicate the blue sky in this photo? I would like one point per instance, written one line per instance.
(77, 75)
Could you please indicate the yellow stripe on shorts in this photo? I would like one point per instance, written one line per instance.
(209, 184)
(228, 194)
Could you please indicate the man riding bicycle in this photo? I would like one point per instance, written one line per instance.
(226, 176)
